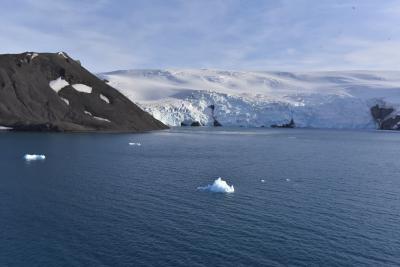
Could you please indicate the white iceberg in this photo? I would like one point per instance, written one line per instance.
(219, 186)
(30, 157)
(5, 128)
(135, 144)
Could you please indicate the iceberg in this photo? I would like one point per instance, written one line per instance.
(135, 144)
(219, 186)
(29, 157)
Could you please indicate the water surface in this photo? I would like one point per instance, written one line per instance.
(330, 198)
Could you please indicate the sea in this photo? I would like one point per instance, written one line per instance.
(302, 197)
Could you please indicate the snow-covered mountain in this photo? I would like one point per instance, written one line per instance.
(337, 99)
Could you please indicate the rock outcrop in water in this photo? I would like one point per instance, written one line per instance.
(216, 123)
(291, 124)
(384, 118)
(53, 92)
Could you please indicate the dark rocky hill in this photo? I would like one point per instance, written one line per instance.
(53, 92)
(384, 118)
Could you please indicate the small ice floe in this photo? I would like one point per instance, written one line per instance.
(5, 128)
(58, 84)
(135, 144)
(219, 186)
(262, 181)
(287, 180)
(30, 157)
(83, 88)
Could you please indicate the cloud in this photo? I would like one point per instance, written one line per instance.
(225, 34)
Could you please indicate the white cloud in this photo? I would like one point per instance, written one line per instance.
(225, 34)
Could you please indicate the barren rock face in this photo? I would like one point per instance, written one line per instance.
(384, 118)
(53, 92)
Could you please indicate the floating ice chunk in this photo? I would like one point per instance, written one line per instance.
(105, 99)
(262, 181)
(29, 157)
(135, 144)
(82, 88)
(287, 180)
(58, 84)
(65, 100)
(219, 186)
(5, 128)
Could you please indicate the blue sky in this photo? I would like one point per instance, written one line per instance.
(220, 34)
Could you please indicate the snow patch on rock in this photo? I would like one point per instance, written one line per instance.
(105, 99)
(32, 55)
(58, 84)
(65, 100)
(82, 88)
(62, 54)
(101, 119)
(96, 117)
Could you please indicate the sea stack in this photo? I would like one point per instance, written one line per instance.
(53, 92)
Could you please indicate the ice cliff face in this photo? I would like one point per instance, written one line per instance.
(254, 99)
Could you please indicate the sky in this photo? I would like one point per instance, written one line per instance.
(292, 35)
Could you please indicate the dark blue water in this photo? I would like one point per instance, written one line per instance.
(330, 198)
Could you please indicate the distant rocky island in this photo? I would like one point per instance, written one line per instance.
(53, 92)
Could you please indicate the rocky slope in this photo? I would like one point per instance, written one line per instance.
(385, 117)
(329, 99)
(53, 92)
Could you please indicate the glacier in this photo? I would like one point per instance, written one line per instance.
(323, 99)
